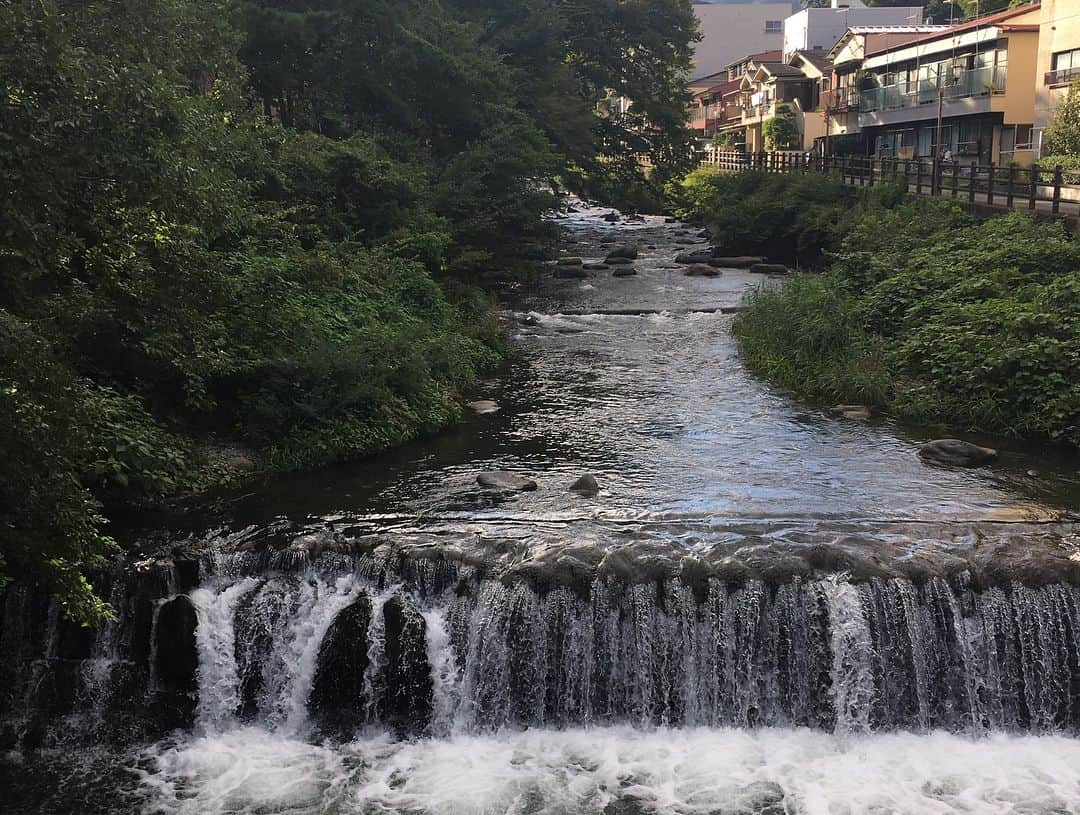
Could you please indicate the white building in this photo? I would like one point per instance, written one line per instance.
(732, 30)
(819, 28)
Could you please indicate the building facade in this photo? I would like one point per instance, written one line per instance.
(732, 30)
(818, 29)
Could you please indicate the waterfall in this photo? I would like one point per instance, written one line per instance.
(218, 677)
(333, 645)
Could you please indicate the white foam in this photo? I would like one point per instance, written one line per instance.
(581, 771)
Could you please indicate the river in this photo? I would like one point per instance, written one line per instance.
(765, 608)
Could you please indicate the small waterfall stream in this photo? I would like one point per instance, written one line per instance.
(352, 639)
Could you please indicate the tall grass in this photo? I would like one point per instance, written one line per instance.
(805, 335)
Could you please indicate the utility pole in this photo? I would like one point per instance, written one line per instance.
(937, 137)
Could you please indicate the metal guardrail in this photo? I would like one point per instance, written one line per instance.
(1062, 76)
(1045, 189)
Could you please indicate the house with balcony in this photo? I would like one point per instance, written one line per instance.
(795, 83)
(840, 90)
(727, 100)
(1058, 61)
(978, 78)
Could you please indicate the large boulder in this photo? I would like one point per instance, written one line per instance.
(736, 261)
(698, 256)
(701, 270)
(627, 250)
(596, 267)
(612, 217)
(505, 481)
(623, 271)
(956, 453)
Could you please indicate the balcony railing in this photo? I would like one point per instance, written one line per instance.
(1061, 77)
(966, 84)
(841, 100)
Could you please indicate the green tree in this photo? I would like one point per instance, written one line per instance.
(1062, 137)
(780, 130)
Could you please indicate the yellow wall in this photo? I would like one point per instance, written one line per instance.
(1059, 30)
(1018, 101)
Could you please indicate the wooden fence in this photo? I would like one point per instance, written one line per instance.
(1043, 189)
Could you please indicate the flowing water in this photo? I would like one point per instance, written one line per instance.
(765, 609)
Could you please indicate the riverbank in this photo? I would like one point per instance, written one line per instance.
(914, 308)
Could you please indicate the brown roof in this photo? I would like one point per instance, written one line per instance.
(764, 56)
(979, 22)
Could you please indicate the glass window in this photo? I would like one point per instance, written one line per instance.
(1024, 137)
(773, 26)
(1063, 60)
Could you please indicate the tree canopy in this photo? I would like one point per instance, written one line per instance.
(256, 225)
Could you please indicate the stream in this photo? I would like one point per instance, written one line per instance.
(766, 608)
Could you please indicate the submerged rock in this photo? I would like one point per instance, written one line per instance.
(612, 217)
(624, 271)
(617, 261)
(956, 453)
(569, 262)
(627, 250)
(505, 480)
(587, 485)
(852, 411)
(596, 267)
(482, 406)
(701, 270)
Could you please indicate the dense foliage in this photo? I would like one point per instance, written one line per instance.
(236, 231)
(921, 310)
(1062, 137)
(793, 218)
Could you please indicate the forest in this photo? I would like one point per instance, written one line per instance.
(239, 237)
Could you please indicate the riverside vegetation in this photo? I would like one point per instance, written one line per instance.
(911, 305)
(259, 227)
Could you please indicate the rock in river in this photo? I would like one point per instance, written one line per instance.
(769, 268)
(698, 256)
(624, 271)
(956, 453)
(506, 481)
(596, 267)
(852, 411)
(627, 250)
(570, 262)
(482, 406)
(586, 485)
(617, 261)
(736, 261)
(701, 270)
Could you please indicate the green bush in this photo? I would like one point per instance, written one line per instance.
(936, 318)
(788, 217)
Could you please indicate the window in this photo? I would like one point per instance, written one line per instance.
(774, 26)
(1064, 60)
